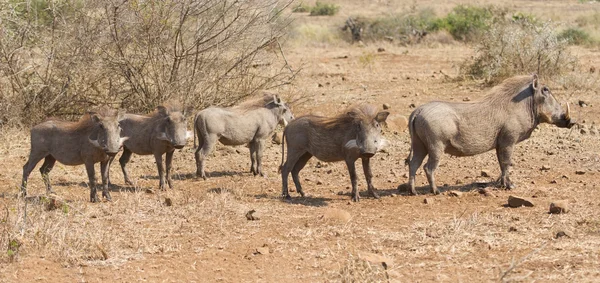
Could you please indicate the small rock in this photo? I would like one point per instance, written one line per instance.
(53, 204)
(545, 168)
(262, 250)
(485, 173)
(560, 234)
(579, 172)
(514, 201)
(277, 138)
(337, 214)
(344, 78)
(386, 106)
(559, 207)
(454, 193)
(380, 49)
(467, 99)
(584, 131)
(319, 182)
(149, 191)
(377, 259)
(428, 201)
(412, 105)
(319, 164)
(250, 215)
(582, 103)
(512, 229)
(397, 123)
(168, 202)
(320, 85)
(486, 192)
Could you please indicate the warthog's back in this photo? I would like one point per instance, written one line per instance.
(64, 140)
(236, 127)
(312, 134)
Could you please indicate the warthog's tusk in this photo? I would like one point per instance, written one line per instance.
(122, 140)
(351, 144)
(189, 135)
(285, 123)
(568, 114)
(95, 143)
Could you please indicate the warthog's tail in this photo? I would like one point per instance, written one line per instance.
(282, 151)
(195, 130)
(411, 132)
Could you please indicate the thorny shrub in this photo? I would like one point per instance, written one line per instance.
(60, 58)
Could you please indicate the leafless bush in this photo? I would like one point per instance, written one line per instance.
(519, 47)
(61, 57)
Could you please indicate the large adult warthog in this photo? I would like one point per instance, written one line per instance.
(508, 114)
(160, 132)
(354, 134)
(94, 138)
(248, 123)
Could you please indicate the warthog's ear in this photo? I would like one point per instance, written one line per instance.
(535, 82)
(162, 110)
(276, 99)
(381, 116)
(187, 111)
(95, 117)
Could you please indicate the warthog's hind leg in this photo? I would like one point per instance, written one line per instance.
(369, 176)
(432, 164)
(125, 158)
(45, 170)
(34, 158)
(296, 170)
(418, 154)
(253, 146)
(290, 163)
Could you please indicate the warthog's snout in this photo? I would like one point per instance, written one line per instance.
(367, 154)
(178, 146)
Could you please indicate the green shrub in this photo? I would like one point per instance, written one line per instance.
(575, 36)
(467, 22)
(324, 9)
(301, 8)
(518, 47)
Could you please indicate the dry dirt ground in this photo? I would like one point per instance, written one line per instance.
(199, 232)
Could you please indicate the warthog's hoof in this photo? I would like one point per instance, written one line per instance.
(128, 182)
(94, 199)
(435, 191)
(356, 198)
(374, 194)
(107, 196)
(286, 198)
(301, 193)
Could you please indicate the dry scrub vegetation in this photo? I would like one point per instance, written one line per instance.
(58, 58)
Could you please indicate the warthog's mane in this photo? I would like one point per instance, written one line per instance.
(351, 115)
(170, 106)
(255, 103)
(85, 122)
(507, 92)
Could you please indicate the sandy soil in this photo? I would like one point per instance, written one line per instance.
(204, 236)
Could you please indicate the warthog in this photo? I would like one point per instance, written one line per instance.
(353, 134)
(248, 123)
(160, 132)
(94, 138)
(508, 114)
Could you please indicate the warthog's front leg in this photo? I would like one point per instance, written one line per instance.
(505, 159)
(169, 161)
(45, 170)
(161, 170)
(369, 176)
(89, 167)
(352, 171)
(125, 158)
(104, 168)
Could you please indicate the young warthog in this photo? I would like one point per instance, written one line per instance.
(507, 115)
(94, 138)
(160, 132)
(354, 134)
(248, 123)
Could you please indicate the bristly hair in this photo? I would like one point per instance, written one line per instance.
(255, 103)
(351, 115)
(170, 106)
(507, 90)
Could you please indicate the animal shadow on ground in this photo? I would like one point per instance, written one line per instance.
(426, 190)
(128, 189)
(192, 176)
(307, 200)
(71, 183)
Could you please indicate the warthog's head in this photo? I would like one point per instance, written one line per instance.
(368, 132)
(285, 114)
(548, 109)
(107, 133)
(173, 127)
